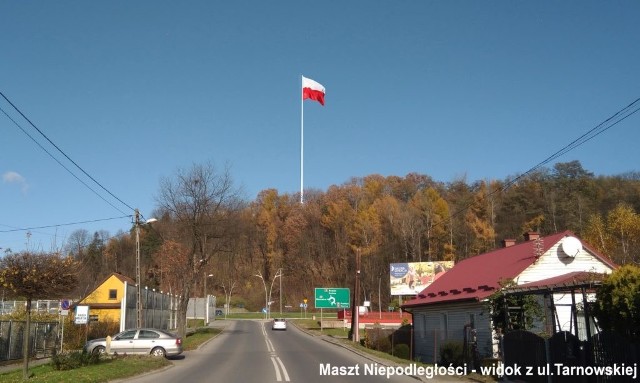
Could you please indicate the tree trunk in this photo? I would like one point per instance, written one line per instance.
(181, 323)
(25, 343)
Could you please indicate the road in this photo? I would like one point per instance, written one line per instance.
(249, 351)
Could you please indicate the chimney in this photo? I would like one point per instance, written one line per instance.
(531, 235)
(508, 242)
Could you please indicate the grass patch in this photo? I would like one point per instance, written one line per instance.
(108, 369)
(194, 340)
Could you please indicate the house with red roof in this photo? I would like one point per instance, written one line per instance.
(457, 301)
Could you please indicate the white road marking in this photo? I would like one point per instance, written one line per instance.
(277, 363)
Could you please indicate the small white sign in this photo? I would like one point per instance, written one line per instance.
(82, 315)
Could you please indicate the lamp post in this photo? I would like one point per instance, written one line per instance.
(138, 278)
(227, 298)
(278, 274)
(205, 283)
(206, 299)
(266, 299)
(281, 276)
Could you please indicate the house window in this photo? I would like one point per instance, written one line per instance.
(113, 294)
(444, 326)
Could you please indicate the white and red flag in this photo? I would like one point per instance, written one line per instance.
(312, 90)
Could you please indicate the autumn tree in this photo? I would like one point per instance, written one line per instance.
(201, 204)
(478, 220)
(32, 276)
(618, 236)
(433, 213)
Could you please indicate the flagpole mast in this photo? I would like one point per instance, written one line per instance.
(301, 143)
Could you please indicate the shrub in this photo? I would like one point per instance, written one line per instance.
(75, 336)
(377, 339)
(71, 360)
(451, 353)
(402, 350)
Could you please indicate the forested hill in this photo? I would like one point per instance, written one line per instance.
(386, 219)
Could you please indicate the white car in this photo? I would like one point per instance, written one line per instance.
(279, 324)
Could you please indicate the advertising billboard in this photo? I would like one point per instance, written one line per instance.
(413, 277)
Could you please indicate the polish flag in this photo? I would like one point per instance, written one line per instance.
(312, 90)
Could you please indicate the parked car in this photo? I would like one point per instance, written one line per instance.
(219, 312)
(279, 324)
(148, 341)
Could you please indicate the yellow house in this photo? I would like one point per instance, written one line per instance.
(104, 301)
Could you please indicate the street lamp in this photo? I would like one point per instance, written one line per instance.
(138, 279)
(205, 283)
(266, 299)
(227, 298)
(278, 274)
(206, 300)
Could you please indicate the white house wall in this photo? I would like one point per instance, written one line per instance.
(565, 322)
(435, 325)
(555, 262)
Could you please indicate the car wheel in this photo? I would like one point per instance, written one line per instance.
(100, 350)
(158, 351)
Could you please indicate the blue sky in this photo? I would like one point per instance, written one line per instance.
(133, 91)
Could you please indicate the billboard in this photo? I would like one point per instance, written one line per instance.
(413, 277)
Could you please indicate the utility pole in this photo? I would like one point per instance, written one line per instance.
(138, 279)
(355, 310)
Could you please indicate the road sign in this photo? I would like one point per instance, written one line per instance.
(82, 314)
(332, 298)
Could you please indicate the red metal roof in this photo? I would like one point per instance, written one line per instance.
(478, 277)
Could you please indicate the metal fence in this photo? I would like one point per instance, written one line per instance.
(159, 310)
(43, 339)
(41, 306)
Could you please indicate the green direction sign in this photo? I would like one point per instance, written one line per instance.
(332, 298)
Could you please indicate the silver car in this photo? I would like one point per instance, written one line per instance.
(148, 341)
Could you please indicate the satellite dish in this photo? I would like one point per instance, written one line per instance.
(571, 246)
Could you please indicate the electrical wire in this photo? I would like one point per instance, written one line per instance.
(602, 127)
(64, 154)
(58, 161)
(61, 224)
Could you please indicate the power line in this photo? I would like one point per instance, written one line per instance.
(61, 224)
(622, 114)
(610, 122)
(64, 154)
(58, 161)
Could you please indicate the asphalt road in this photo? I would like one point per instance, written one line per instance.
(249, 351)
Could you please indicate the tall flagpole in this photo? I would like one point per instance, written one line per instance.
(301, 143)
